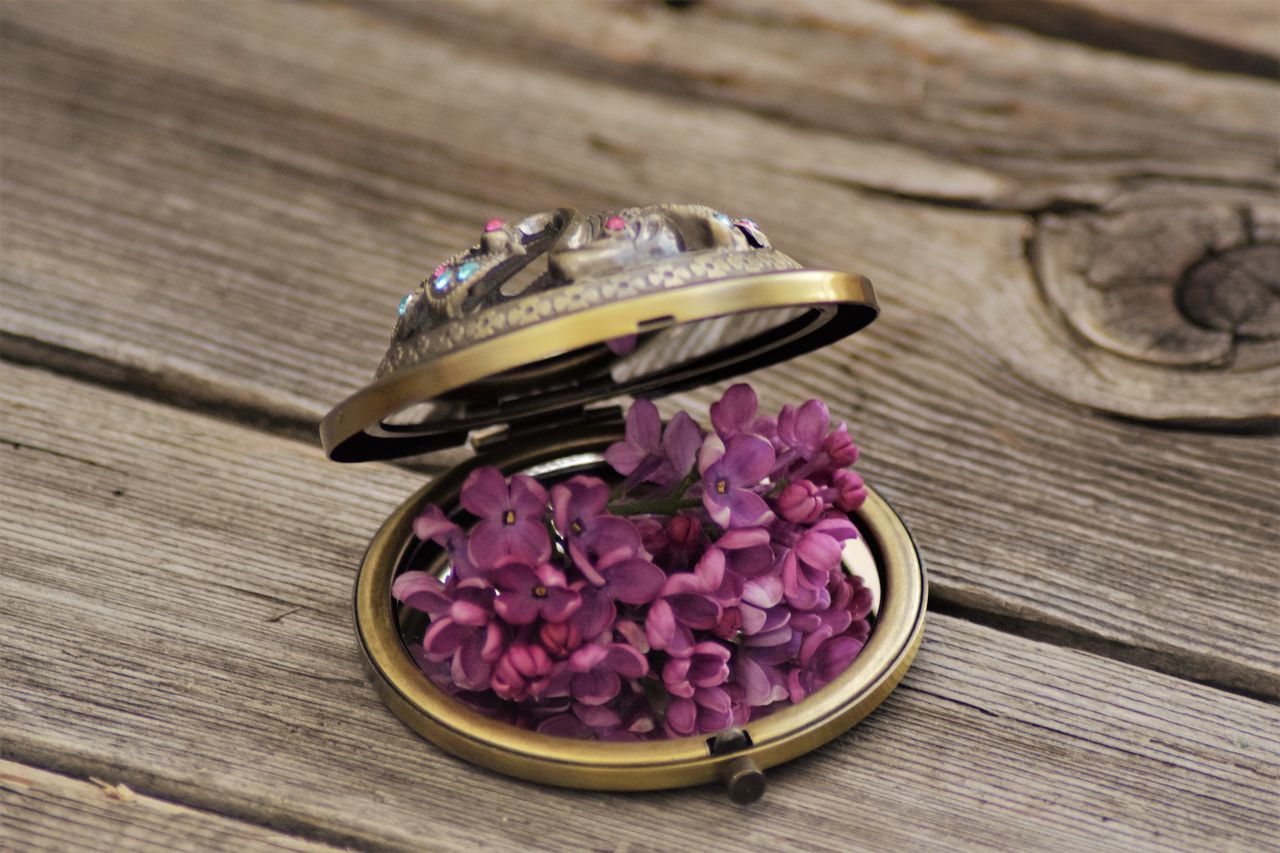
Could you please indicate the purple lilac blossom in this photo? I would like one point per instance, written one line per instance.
(703, 590)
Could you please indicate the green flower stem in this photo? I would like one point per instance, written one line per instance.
(668, 506)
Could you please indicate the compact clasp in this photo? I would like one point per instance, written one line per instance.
(743, 778)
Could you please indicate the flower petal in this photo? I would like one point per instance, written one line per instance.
(608, 540)
(626, 661)
(717, 508)
(834, 657)
(682, 716)
(811, 424)
(588, 657)
(819, 550)
(579, 500)
(432, 524)
(735, 411)
(421, 591)
(595, 615)
(711, 452)
(484, 492)
(486, 543)
(634, 581)
(710, 569)
(597, 717)
(470, 670)
(756, 685)
(528, 497)
(752, 619)
(748, 459)
(443, 638)
(625, 457)
(560, 604)
(680, 443)
(595, 687)
(749, 563)
(517, 608)
(515, 577)
(660, 624)
(469, 612)
(564, 725)
(527, 540)
(644, 425)
(744, 537)
(695, 611)
(747, 509)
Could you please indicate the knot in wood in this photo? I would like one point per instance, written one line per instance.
(1170, 299)
(1237, 291)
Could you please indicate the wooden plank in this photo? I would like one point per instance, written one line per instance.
(232, 223)
(177, 602)
(1238, 36)
(1068, 121)
(40, 810)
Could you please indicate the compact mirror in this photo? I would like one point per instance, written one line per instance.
(649, 301)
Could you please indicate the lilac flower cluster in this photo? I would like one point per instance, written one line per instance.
(705, 589)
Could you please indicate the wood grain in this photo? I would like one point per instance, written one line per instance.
(1238, 36)
(45, 811)
(1165, 278)
(229, 220)
(189, 635)
(1070, 123)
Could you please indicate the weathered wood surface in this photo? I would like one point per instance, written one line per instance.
(1241, 36)
(176, 619)
(230, 219)
(218, 205)
(45, 811)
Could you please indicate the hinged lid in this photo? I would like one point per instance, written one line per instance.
(560, 309)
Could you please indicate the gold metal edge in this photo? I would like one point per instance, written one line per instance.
(671, 763)
(371, 405)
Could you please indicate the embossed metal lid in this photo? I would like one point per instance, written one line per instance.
(559, 309)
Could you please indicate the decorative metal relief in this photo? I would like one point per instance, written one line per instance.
(582, 260)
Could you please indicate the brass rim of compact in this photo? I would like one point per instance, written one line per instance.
(839, 304)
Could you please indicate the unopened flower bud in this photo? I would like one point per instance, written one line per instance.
(840, 447)
(850, 490)
(560, 638)
(800, 502)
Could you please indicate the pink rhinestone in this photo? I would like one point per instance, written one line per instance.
(493, 225)
(615, 223)
(438, 271)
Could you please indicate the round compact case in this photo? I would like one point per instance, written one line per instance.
(516, 346)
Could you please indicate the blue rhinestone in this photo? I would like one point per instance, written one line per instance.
(441, 282)
(404, 303)
(724, 220)
(467, 270)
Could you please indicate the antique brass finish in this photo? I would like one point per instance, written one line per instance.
(671, 763)
(831, 306)
(643, 300)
